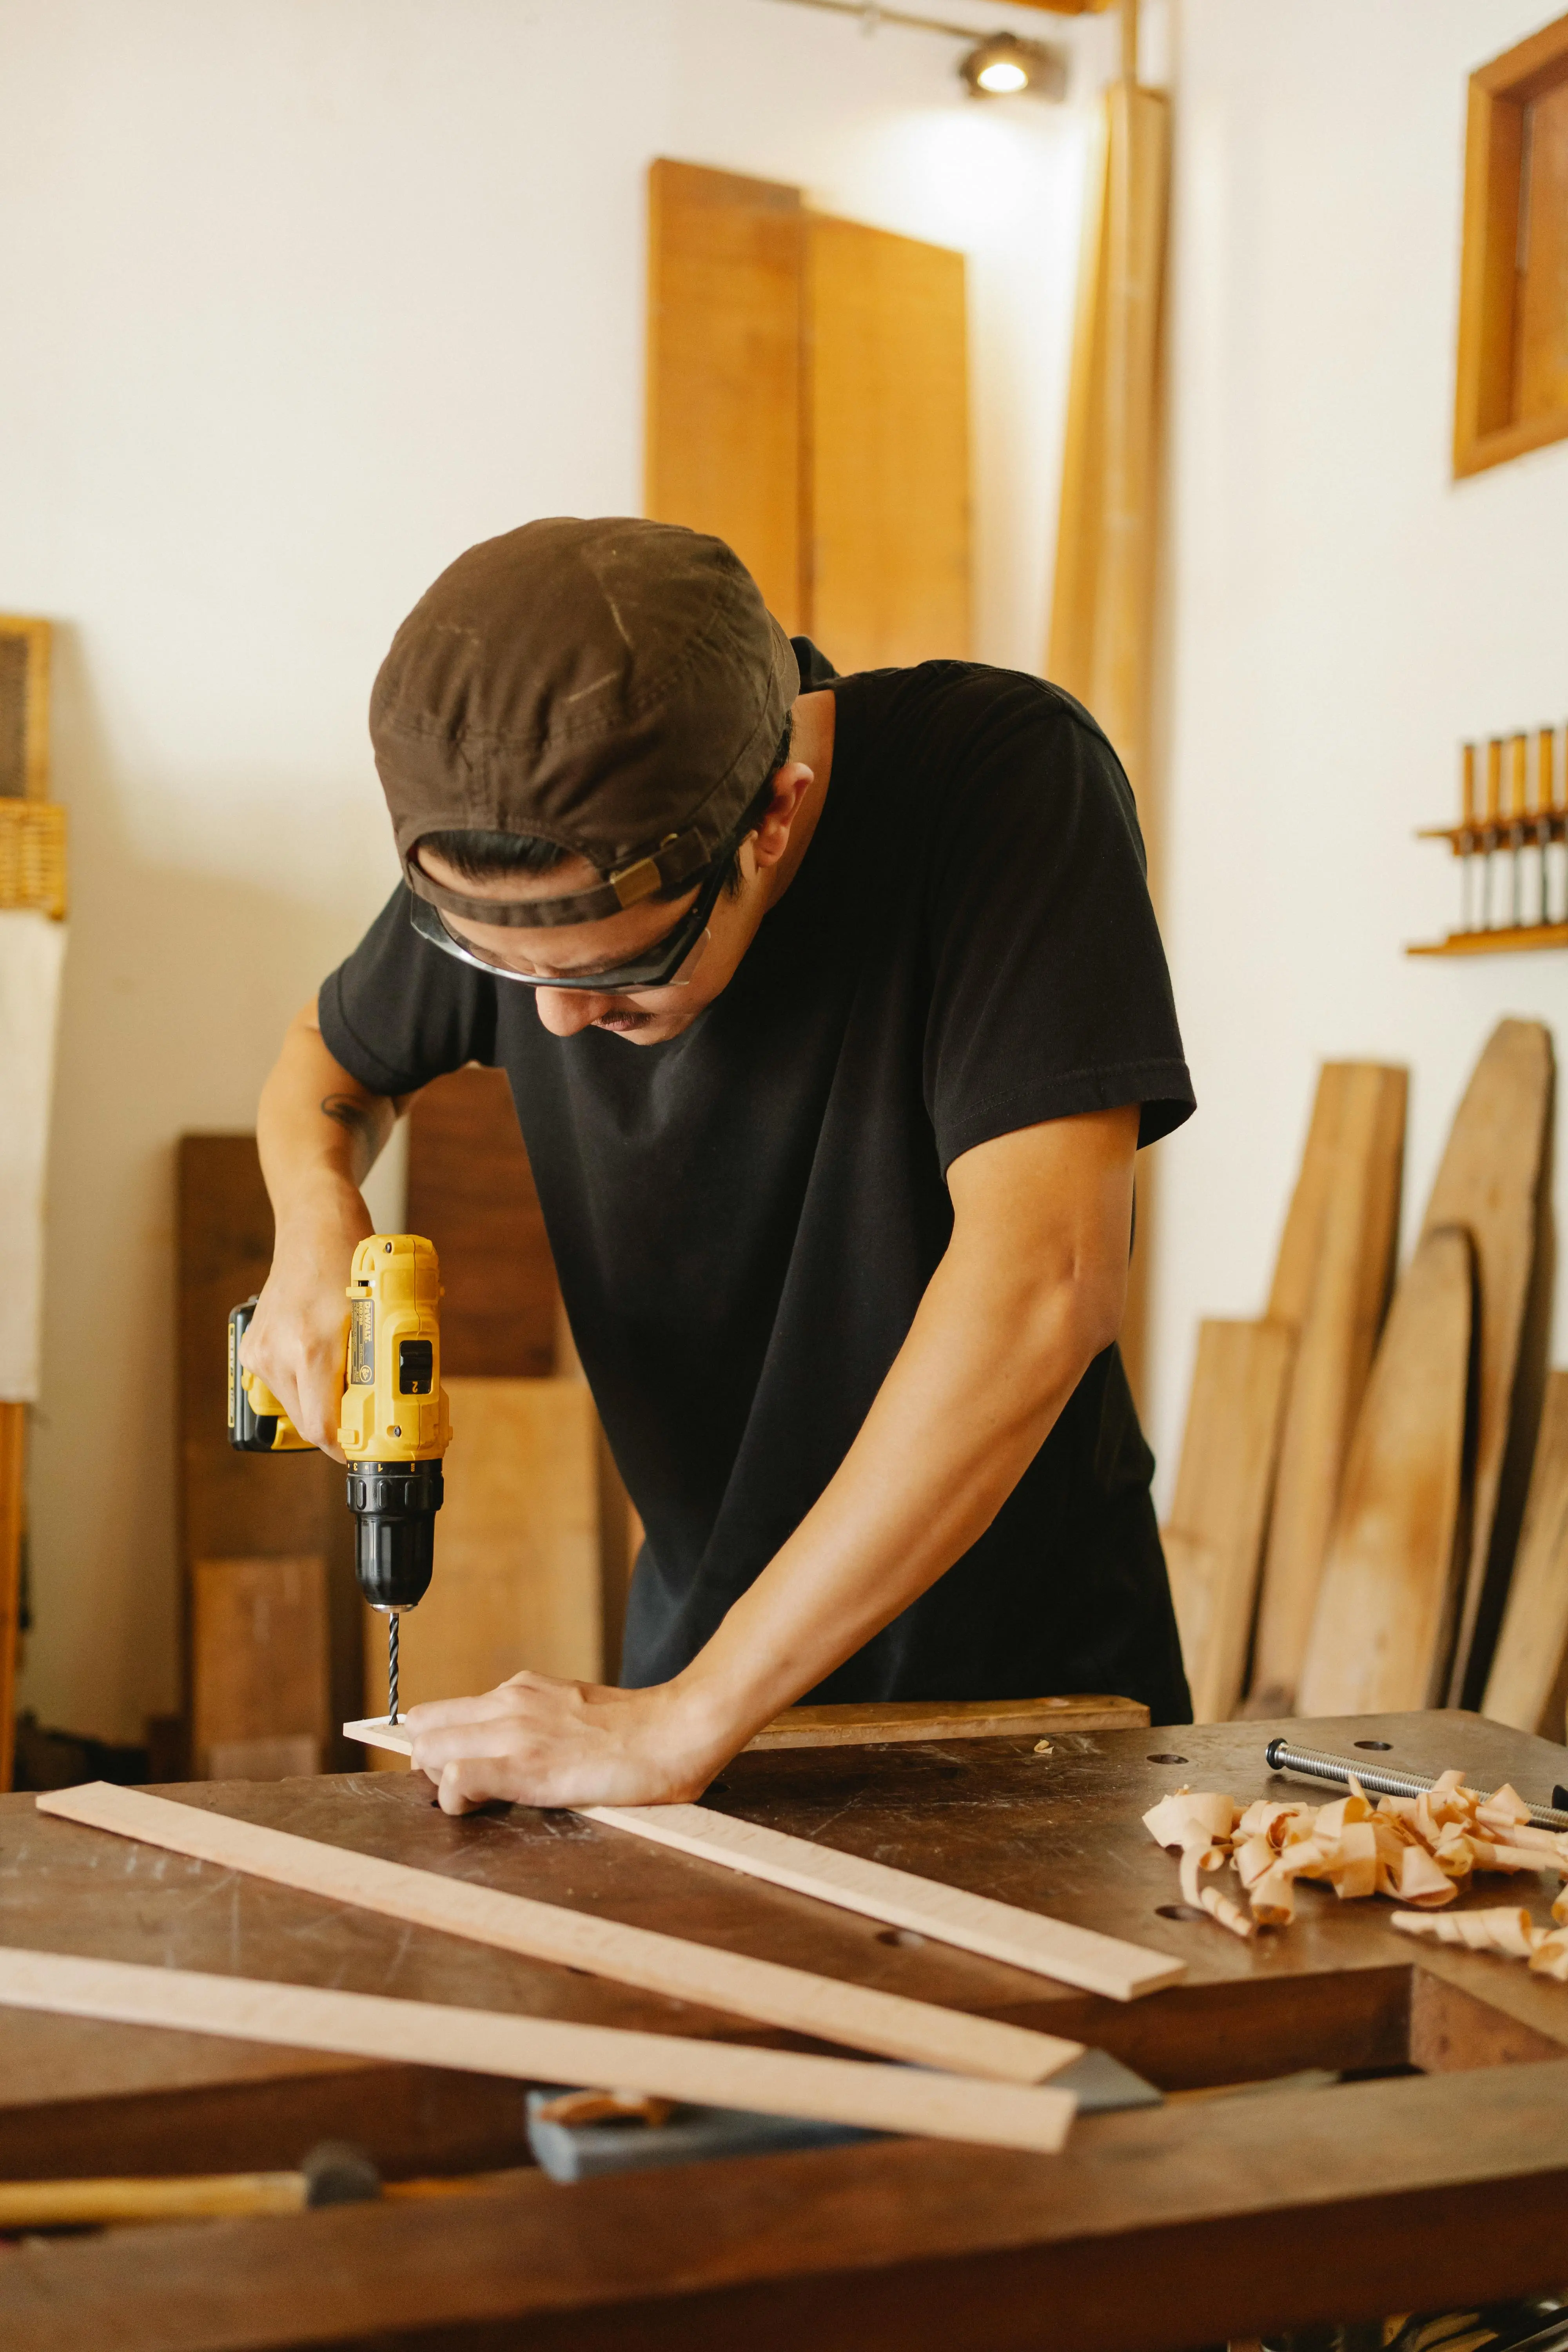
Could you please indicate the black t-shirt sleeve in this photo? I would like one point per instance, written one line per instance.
(1051, 993)
(398, 1013)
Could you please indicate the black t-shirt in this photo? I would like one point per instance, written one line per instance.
(744, 1219)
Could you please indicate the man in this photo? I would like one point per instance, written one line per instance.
(834, 1018)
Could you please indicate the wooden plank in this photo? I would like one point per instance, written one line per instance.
(762, 1991)
(1528, 1685)
(539, 2050)
(471, 1194)
(1353, 1270)
(1384, 1623)
(12, 1471)
(1025, 1940)
(1300, 1243)
(876, 1723)
(1490, 1181)
(517, 1579)
(259, 1667)
(1213, 1546)
(723, 401)
(244, 1506)
(887, 379)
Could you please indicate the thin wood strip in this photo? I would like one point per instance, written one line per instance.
(976, 1922)
(864, 1726)
(762, 1991)
(539, 2050)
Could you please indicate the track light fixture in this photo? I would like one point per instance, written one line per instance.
(1007, 67)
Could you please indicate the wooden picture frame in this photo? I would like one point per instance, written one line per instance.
(1511, 388)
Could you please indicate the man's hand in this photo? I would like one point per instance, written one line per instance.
(297, 1334)
(318, 1131)
(538, 1742)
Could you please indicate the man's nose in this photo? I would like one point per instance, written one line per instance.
(565, 1010)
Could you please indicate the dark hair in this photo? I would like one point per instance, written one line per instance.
(483, 856)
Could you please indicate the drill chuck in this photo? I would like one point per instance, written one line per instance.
(394, 1506)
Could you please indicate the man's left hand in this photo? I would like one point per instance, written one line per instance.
(535, 1741)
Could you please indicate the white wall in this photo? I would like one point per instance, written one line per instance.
(1342, 613)
(302, 297)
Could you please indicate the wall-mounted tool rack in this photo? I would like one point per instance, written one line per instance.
(1512, 847)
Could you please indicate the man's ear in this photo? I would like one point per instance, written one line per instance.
(773, 834)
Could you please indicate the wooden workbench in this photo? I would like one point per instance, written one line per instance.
(1206, 2219)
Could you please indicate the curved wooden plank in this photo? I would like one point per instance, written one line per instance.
(1384, 1620)
(1490, 1181)
(1528, 1685)
(1358, 1221)
(1213, 1546)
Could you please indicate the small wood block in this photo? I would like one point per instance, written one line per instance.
(1385, 1622)
(1025, 1939)
(1528, 1685)
(540, 2050)
(259, 1666)
(874, 1724)
(823, 2007)
(375, 1731)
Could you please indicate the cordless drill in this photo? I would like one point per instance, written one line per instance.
(392, 1422)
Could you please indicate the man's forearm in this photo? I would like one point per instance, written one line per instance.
(316, 1125)
(1003, 1336)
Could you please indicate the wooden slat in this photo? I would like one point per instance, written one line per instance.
(762, 1991)
(539, 2050)
(12, 1471)
(1528, 1685)
(245, 1506)
(262, 1701)
(471, 1194)
(1295, 1266)
(1213, 1546)
(1025, 1939)
(1490, 1181)
(517, 1579)
(1350, 1286)
(724, 413)
(1385, 1622)
(887, 426)
(873, 1723)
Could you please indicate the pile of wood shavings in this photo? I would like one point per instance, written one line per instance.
(1422, 1851)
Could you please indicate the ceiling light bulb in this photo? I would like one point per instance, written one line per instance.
(1006, 65)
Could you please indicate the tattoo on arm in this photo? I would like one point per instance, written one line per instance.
(353, 1117)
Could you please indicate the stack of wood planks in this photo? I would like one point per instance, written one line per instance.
(1353, 1473)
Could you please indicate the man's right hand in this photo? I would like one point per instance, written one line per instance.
(318, 1131)
(298, 1332)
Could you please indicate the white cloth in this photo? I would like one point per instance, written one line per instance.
(32, 952)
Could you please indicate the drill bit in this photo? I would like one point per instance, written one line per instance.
(392, 1665)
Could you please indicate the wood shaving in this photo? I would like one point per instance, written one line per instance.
(1422, 1851)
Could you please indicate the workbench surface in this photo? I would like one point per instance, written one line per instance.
(1437, 2178)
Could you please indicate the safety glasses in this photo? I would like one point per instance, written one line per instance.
(658, 966)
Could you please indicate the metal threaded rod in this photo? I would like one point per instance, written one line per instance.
(1312, 1764)
(392, 1665)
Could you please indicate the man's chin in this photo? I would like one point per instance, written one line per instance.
(639, 1028)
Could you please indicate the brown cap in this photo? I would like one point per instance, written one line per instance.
(613, 686)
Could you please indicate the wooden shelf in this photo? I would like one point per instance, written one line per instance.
(1510, 941)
